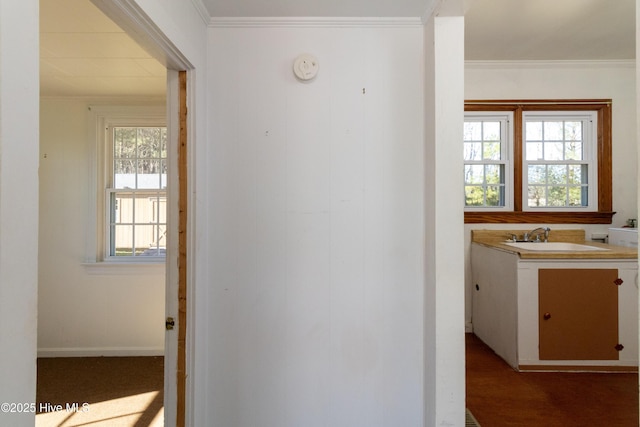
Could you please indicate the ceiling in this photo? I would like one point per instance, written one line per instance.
(83, 53)
(550, 30)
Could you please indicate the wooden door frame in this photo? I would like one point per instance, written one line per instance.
(181, 372)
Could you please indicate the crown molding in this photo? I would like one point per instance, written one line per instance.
(312, 22)
(202, 11)
(615, 63)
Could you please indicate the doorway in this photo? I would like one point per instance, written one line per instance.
(107, 309)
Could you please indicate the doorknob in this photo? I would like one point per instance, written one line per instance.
(169, 323)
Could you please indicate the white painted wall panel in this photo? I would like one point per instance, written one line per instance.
(18, 206)
(444, 279)
(316, 293)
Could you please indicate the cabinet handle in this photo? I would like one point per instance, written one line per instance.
(546, 316)
(618, 281)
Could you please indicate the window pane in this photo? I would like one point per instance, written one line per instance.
(553, 151)
(536, 196)
(121, 208)
(122, 240)
(149, 142)
(472, 131)
(534, 150)
(533, 131)
(557, 196)
(494, 174)
(124, 176)
(491, 151)
(124, 166)
(491, 131)
(148, 173)
(577, 196)
(124, 142)
(537, 174)
(573, 150)
(156, 248)
(473, 174)
(472, 151)
(553, 131)
(146, 209)
(474, 195)
(146, 238)
(573, 131)
(495, 195)
(557, 174)
(578, 174)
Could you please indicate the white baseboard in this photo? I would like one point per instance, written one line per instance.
(468, 327)
(100, 352)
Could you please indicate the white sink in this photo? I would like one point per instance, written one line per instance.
(555, 246)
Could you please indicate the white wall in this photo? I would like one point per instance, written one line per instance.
(18, 206)
(444, 273)
(81, 311)
(568, 80)
(316, 205)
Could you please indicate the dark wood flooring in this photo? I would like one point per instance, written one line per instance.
(499, 396)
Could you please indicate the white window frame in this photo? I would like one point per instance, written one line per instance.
(101, 119)
(506, 139)
(589, 121)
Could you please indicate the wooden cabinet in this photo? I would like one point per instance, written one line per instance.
(556, 314)
(578, 314)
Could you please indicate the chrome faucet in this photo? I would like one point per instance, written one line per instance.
(536, 232)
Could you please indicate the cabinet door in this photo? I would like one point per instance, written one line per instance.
(578, 314)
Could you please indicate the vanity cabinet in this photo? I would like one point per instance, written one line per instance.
(556, 314)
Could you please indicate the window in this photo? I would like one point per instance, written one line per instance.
(537, 161)
(487, 165)
(136, 191)
(128, 196)
(558, 160)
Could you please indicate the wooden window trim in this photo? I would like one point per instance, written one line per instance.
(604, 213)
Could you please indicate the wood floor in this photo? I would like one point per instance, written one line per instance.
(499, 396)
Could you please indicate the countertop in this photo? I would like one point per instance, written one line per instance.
(498, 238)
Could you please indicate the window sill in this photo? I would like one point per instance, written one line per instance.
(114, 268)
(539, 217)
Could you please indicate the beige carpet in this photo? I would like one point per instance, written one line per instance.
(100, 391)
